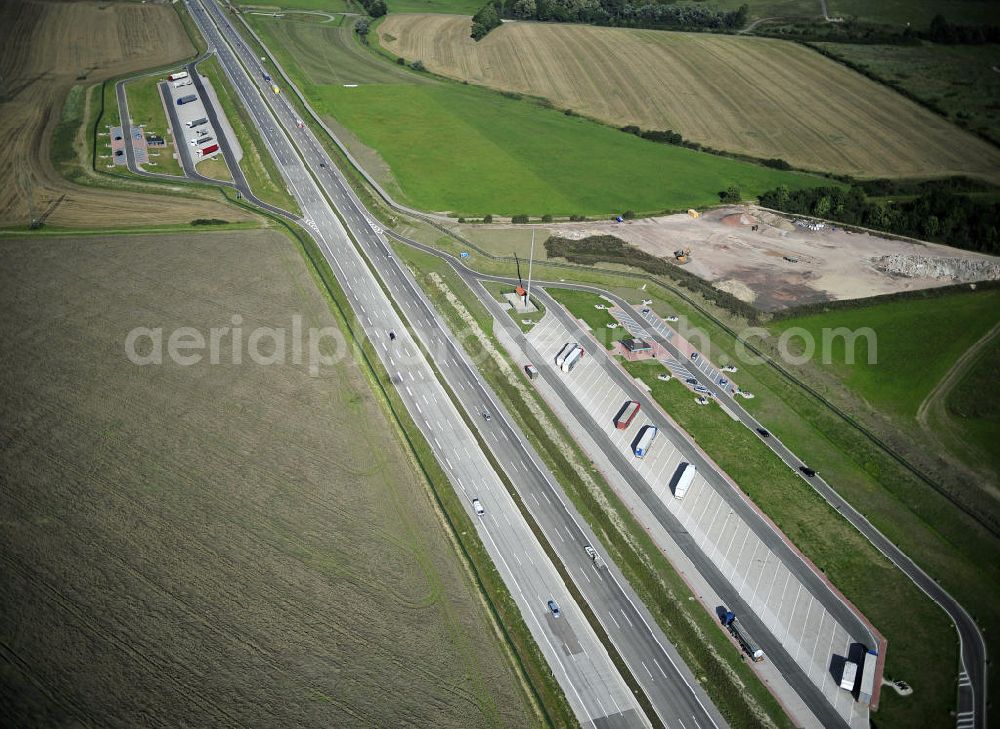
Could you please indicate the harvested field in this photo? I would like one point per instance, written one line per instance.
(762, 97)
(214, 545)
(47, 48)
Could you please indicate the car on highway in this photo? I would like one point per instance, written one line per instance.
(591, 552)
(322, 164)
(694, 356)
(810, 472)
(487, 417)
(477, 505)
(392, 336)
(763, 433)
(554, 609)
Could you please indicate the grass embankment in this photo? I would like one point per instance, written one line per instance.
(474, 151)
(326, 6)
(243, 517)
(919, 634)
(973, 407)
(915, 343)
(216, 168)
(740, 696)
(958, 81)
(257, 164)
(145, 106)
(761, 97)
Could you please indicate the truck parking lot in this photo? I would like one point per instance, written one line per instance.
(792, 601)
(196, 136)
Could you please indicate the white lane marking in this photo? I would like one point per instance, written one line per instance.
(617, 624)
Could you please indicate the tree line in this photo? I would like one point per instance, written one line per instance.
(938, 210)
(646, 14)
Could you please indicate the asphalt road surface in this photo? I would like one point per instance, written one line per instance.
(972, 684)
(571, 644)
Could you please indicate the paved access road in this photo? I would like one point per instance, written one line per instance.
(972, 679)
(571, 644)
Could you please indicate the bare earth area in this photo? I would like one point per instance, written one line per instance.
(215, 545)
(45, 49)
(758, 96)
(782, 264)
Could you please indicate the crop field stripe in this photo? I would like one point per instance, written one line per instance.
(756, 96)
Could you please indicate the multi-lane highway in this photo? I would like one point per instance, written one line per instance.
(673, 693)
(383, 295)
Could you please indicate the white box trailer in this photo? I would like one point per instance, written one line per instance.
(566, 349)
(867, 688)
(645, 441)
(849, 677)
(177, 76)
(687, 472)
(572, 359)
(182, 82)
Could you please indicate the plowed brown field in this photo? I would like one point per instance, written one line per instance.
(45, 47)
(757, 96)
(215, 545)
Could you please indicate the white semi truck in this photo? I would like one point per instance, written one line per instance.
(645, 440)
(572, 359)
(687, 472)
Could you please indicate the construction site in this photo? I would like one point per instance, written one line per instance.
(775, 261)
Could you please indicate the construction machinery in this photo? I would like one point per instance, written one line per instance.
(682, 256)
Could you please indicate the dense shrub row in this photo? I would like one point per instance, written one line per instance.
(610, 12)
(935, 210)
(609, 249)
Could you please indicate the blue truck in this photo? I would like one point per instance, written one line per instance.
(186, 99)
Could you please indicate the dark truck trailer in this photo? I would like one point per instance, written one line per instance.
(626, 415)
(186, 99)
(743, 637)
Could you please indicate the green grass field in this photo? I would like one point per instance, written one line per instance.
(916, 343)
(893, 12)
(216, 544)
(327, 6)
(472, 151)
(974, 406)
(146, 108)
(958, 80)
(461, 7)
(582, 305)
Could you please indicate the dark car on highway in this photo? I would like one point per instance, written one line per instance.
(763, 433)
(810, 472)
(554, 609)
